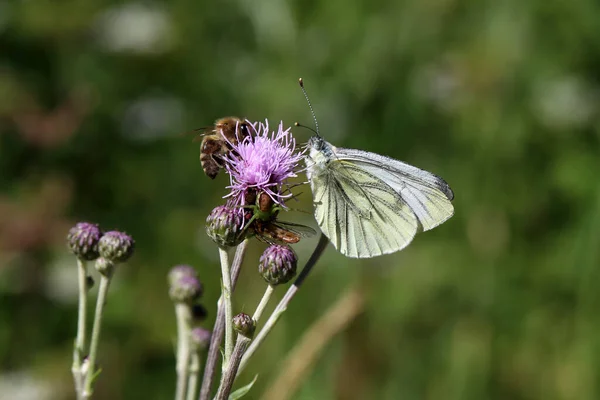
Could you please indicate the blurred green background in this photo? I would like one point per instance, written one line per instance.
(499, 98)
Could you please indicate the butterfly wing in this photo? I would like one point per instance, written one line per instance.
(428, 195)
(361, 215)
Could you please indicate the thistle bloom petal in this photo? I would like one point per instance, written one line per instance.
(262, 163)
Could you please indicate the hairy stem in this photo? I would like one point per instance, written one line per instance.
(79, 347)
(226, 297)
(184, 317)
(231, 373)
(263, 303)
(217, 334)
(283, 304)
(91, 371)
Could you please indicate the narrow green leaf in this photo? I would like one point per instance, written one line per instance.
(238, 394)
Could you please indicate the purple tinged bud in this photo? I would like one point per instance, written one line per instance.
(277, 264)
(82, 240)
(224, 226)
(200, 338)
(116, 246)
(186, 289)
(244, 325)
(179, 271)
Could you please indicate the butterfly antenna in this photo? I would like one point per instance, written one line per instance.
(301, 82)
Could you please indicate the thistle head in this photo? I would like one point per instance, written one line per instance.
(224, 226)
(186, 289)
(244, 325)
(262, 164)
(180, 271)
(83, 239)
(277, 264)
(116, 246)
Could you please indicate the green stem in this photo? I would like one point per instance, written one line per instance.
(217, 334)
(263, 303)
(193, 377)
(231, 373)
(91, 371)
(184, 318)
(283, 304)
(226, 277)
(79, 347)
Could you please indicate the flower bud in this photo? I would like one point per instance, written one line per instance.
(179, 271)
(186, 289)
(200, 338)
(244, 325)
(105, 266)
(116, 246)
(277, 264)
(224, 226)
(82, 240)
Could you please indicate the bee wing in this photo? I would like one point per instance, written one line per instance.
(300, 230)
(428, 195)
(361, 215)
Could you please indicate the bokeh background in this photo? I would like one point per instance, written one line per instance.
(499, 98)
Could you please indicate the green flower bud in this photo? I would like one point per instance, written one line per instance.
(244, 325)
(277, 264)
(224, 226)
(179, 271)
(83, 240)
(116, 246)
(186, 289)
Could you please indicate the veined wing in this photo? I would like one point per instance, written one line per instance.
(361, 215)
(428, 195)
(300, 230)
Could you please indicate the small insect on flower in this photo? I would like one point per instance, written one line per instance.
(263, 223)
(218, 140)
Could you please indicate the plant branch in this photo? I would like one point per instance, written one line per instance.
(263, 303)
(193, 376)
(184, 317)
(231, 373)
(283, 304)
(217, 334)
(79, 347)
(91, 372)
(226, 297)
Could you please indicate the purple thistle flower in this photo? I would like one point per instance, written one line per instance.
(262, 163)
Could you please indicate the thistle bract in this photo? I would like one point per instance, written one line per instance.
(82, 240)
(244, 325)
(186, 289)
(278, 264)
(116, 246)
(224, 226)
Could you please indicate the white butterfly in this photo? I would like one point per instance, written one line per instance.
(368, 204)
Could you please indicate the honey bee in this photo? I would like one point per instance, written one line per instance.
(217, 142)
(264, 225)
